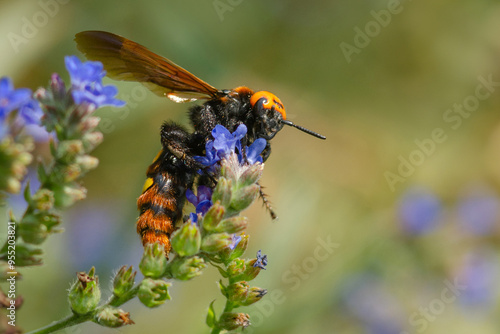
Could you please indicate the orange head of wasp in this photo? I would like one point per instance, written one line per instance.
(271, 111)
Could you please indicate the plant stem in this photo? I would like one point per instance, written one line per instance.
(227, 308)
(71, 320)
(76, 319)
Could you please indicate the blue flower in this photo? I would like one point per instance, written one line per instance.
(261, 260)
(480, 273)
(193, 217)
(253, 151)
(225, 141)
(210, 157)
(366, 298)
(10, 98)
(478, 212)
(419, 211)
(202, 201)
(86, 81)
(235, 240)
(30, 112)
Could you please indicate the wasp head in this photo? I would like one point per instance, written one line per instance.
(269, 112)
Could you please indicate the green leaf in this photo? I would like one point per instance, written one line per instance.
(222, 289)
(27, 193)
(211, 315)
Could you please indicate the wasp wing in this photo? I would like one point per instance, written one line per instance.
(126, 60)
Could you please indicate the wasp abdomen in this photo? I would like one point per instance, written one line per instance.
(160, 207)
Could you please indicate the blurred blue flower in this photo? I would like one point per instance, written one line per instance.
(93, 234)
(367, 299)
(419, 211)
(193, 217)
(478, 212)
(86, 81)
(480, 274)
(235, 240)
(10, 98)
(261, 260)
(29, 111)
(202, 201)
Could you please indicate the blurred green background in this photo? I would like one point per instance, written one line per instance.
(390, 226)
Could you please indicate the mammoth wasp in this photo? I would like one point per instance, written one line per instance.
(174, 170)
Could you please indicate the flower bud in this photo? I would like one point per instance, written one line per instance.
(42, 94)
(187, 268)
(13, 185)
(84, 295)
(153, 293)
(68, 194)
(252, 268)
(81, 112)
(231, 321)
(232, 252)
(237, 292)
(250, 272)
(91, 140)
(89, 124)
(31, 230)
(69, 149)
(236, 267)
(43, 199)
(186, 240)
(154, 262)
(113, 317)
(50, 220)
(71, 172)
(57, 86)
(242, 198)
(227, 169)
(251, 175)
(233, 225)
(213, 217)
(87, 162)
(223, 192)
(123, 281)
(213, 243)
(254, 295)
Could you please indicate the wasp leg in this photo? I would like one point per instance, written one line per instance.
(267, 203)
(178, 141)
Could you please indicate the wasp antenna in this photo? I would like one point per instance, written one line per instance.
(301, 128)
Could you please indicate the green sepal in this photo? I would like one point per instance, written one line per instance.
(211, 317)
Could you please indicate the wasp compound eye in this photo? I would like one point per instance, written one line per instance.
(270, 100)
